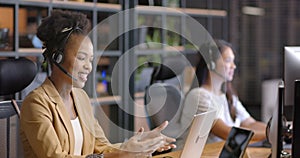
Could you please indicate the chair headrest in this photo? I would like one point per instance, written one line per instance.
(170, 67)
(16, 74)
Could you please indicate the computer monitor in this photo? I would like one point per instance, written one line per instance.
(296, 121)
(275, 129)
(291, 72)
(292, 98)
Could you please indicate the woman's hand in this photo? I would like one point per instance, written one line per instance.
(148, 142)
(157, 133)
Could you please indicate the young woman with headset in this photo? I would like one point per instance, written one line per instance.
(56, 118)
(213, 90)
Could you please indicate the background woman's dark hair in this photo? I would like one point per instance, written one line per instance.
(202, 69)
(50, 30)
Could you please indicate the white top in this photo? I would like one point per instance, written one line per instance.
(78, 136)
(201, 100)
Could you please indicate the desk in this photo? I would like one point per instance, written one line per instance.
(213, 150)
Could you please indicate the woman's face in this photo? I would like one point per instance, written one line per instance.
(81, 52)
(226, 64)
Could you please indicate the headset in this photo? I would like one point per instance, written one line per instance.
(211, 64)
(58, 55)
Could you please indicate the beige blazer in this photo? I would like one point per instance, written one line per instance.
(46, 129)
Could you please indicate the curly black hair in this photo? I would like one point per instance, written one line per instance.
(51, 29)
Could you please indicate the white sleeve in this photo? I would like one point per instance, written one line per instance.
(193, 104)
(241, 112)
(206, 101)
(198, 100)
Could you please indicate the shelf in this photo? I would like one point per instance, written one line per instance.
(108, 53)
(66, 5)
(73, 5)
(14, 54)
(39, 3)
(30, 50)
(169, 49)
(117, 7)
(108, 7)
(107, 100)
(8, 1)
(204, 12)
(178, 11)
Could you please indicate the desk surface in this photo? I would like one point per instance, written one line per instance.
(213, 151)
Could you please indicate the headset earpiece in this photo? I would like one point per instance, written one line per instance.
(58, 56)
(212, 64)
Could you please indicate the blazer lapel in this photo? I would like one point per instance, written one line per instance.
(67, 123)
(60, 108)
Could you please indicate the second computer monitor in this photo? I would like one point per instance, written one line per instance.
(291, 72)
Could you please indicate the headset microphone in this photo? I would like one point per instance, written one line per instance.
(64, 70)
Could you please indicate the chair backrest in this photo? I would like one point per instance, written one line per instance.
(15, 75)
(163, 101)
(170, 67)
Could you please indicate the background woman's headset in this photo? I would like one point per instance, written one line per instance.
(211, 63)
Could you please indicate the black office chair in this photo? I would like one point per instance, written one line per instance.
(15, 75)
(163, 100)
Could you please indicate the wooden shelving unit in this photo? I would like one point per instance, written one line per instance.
(97, 12)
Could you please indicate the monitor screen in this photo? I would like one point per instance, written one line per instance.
(291, 72)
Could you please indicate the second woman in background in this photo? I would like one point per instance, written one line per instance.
(214, 91)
